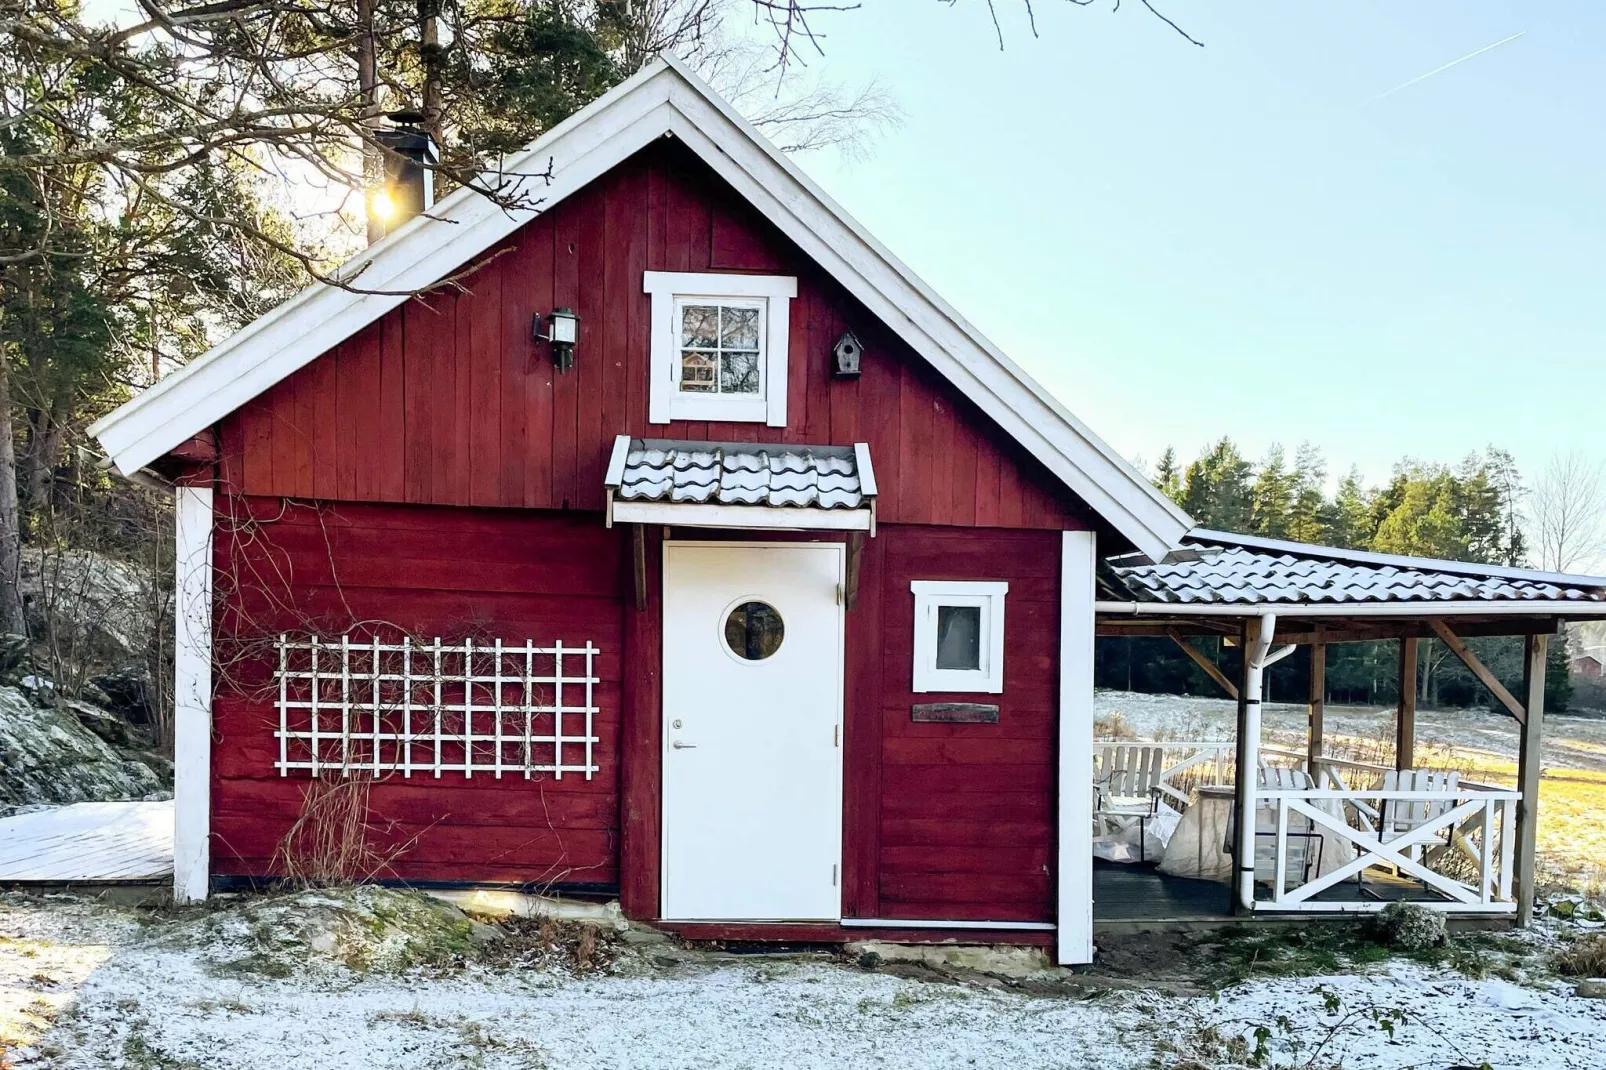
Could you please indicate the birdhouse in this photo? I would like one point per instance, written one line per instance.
(847, 351)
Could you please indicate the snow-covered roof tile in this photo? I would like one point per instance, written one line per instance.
(1224, 573)
(741, 473)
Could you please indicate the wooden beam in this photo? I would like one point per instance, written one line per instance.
(638, 557)
(1529, 766)
(1205, 663)
(1478, 669)
(1318, 704)
(1405, 708)
(850, 585)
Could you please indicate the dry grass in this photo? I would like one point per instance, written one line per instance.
(1583, 957)
(331, 842)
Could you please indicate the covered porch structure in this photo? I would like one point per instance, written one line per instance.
(1295, 831)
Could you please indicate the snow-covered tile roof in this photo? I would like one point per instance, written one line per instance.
(1287, 573)
(741, 473)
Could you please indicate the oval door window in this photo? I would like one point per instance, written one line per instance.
(754, 631)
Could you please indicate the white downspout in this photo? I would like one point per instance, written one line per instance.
(1248, 774)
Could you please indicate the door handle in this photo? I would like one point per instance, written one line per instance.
(678, 745)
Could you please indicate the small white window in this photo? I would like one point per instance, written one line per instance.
(959, 635)
(719, 346)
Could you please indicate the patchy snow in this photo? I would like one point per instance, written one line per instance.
(196, 991)
(1573, 741)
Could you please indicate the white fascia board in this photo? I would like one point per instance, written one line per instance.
(616, 461)
(866, 470)
(663, 97)
(424, 250)
(1088, 467)
(1532, 607)
(775, 518)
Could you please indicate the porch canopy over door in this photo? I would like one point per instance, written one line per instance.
(1272, 595)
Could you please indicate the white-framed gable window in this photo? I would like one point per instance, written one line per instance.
(959, 635)
(719, 346)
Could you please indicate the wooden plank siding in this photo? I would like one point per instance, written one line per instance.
(436, 474)
(431, 572)
(448, 400)
(965, 828)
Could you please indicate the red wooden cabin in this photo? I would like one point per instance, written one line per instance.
(765, 615)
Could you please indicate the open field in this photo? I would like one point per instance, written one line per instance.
(1480, 743)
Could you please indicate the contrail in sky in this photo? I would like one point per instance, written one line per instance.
(1447, 66)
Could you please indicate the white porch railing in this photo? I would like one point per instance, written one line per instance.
(1470, 826)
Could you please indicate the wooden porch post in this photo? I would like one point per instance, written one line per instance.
(1529, 765)
(1405, 713)
(1318, 706)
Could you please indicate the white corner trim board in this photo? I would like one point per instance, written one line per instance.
(671, 289)
(663, 98)
(1078, 557)
(192, 694)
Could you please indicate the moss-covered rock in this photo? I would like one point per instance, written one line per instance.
(368, 929)
(47, 755)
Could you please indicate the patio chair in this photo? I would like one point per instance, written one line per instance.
(1304, 840)
(1399, 816)
(1126, 789)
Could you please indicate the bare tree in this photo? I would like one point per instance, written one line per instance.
(1569, 512)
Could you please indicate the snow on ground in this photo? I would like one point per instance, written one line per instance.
(1571, 741)
(199, 990)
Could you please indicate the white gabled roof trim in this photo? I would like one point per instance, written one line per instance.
(662, 98)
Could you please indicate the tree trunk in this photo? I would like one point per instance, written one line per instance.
(11, 619)
(373, 163)
(429, 48)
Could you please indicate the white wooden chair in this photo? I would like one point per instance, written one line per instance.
(1303, 840)
(1399, 816)
(1126, 789)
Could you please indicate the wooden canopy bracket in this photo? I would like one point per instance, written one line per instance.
(638, 562)
(850, 586)
(1204, 663)
(1478, 669)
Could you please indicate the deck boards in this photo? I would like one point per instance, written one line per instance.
(95, 841)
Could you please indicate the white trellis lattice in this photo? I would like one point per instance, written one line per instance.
(360, 705)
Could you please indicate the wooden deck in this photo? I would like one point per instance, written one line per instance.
(1125, 893)
(89, 843)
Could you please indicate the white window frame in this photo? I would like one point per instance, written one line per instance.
(988, 596)
(670, 290)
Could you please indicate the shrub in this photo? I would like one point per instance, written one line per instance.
(1408, 927)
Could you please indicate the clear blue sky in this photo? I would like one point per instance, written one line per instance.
(1242, 239)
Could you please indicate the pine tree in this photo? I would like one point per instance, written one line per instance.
(1216, 489)
(1272, 496)
(1168, 477)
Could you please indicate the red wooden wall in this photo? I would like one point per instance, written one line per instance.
(447, 400)
(953, 821)
(433, 572)
(459, 481)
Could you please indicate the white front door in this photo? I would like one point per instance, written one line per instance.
(752, 785)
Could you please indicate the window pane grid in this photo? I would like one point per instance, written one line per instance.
(721, 347)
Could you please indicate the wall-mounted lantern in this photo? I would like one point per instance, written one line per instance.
(846, 352)
(563, 329)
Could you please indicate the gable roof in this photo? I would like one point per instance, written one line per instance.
(664, 98)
